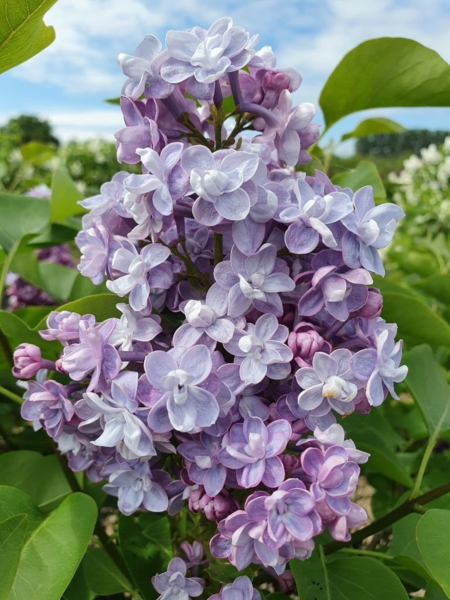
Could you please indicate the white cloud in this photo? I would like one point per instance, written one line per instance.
(310, 35)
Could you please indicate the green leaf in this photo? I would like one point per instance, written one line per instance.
(19, 332)
(22, 31)
(65, 197)
(83, 287)
(365, 173)
(102, 306)
(54, 550)
(437, 286)
(433, 539)
(13, 502)
(12, 537)
(142, 556)
(404, 546)
(78, 588)
(156, 527)
(41, 477)
(102, 575)
(416, 322)
(428, 385)
(112, 100)
(21, 215)
(223, 572)
(57, 280)
(388, 72)
(347, 579)
(373, 126)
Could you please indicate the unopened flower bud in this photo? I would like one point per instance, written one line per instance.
(27, 361)
(372, 308)
(304, 342)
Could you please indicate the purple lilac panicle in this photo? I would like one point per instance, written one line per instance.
(248, 323)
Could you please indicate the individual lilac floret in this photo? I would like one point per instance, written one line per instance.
(204, 319)
(93, 354)
(240, 589)
(140, 131)
(165, 177)
(334, 436)
(48, 403)
(174, 585)
(254, 280)
(115, 414)
(186, 390)
(207, 55)
(249, 233)
(380, 368)
(333, 478)
(310, 219)
(369, 228)
(27, 361)
(64, 326)
(221, 181)
(287, 127)
(205, 467)
(133, 327)
(340, 293)
(194, 552)
(260, 350)
(271, 530)
(110, 198)
(253, 449)
(142, 271)
(137, 487)
(328, 384)
(142, 69)
(95, 246)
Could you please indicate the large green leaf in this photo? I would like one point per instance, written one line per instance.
(21, 215)
(429, 388)
(142, 555)
(41, 477)
(102, 306)
(54, 550)
(223, 572)
(373, 127)
(102, 575)
(12, 537)
(416, 321)
(57, 280)
(78, 588)
(13, 502)
(382, 73)
(65, 197)
(404, 546)
(433, 540)
(365, 173)
(22, 31)
(347, 579)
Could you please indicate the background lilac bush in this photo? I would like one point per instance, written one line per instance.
(218, 404)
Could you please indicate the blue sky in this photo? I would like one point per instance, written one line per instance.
(68, 82)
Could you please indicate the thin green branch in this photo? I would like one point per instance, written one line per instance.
(423, 465)
(6, 267)
(11, 395)
(369, 553)
(408, 507)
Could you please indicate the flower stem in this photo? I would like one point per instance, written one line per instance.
(423, 465)
(6, 266)
(218, 248)
(408, 507)
(370, 553)
(11, 395)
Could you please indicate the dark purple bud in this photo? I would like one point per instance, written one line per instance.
(372, 308)
(304, 342)
(215, 509)
(27, 361)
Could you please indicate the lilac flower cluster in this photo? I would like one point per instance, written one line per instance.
(247, 315)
